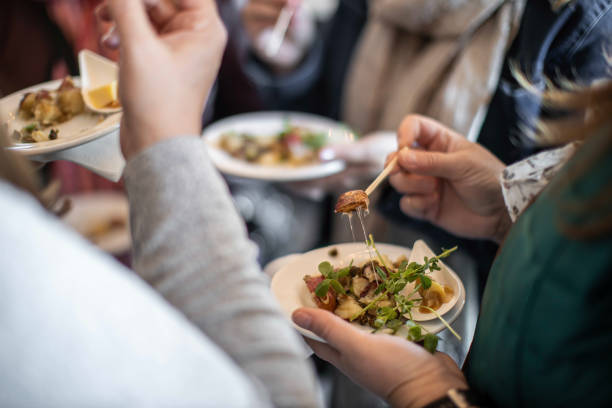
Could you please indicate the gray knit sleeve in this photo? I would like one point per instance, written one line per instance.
(192, 247)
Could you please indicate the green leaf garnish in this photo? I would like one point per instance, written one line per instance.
(325, 268)
(337, 286)
(322, 288)
(414, 333)
(430, 342)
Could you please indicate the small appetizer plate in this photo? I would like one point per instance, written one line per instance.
(82, 128)
(98, 73)
(266, 124)
(445, 277)
(292, 293)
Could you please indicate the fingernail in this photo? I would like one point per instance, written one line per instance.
(302, 319)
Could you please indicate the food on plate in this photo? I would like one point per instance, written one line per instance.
(293, 146)
(101, 229)
(48, 108)
(104, 96)
(382, 294)
(33, 133)
(352, 200)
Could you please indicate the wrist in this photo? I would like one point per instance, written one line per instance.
(425, 389)
(135, 139)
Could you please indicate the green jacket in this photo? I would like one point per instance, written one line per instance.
(544, 335)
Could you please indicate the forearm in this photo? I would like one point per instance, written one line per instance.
(190, 244)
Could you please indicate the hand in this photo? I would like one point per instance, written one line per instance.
(401, 372)
(170, 55)
(449, 180)
(260, 16)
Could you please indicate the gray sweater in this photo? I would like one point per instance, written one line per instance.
(80, 330)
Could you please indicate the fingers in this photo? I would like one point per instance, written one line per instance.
(436, 164)
(160, 11)
(425, 132)
(421, 206)
(324, 351)
(132, 22)
(408, 183)
(338, 333)
(187, 21)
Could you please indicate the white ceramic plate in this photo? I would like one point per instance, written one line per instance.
(80, 129)
(266, 124)
(291, 292)
(90, 211)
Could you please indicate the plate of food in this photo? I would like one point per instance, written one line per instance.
(101, 217)
(275, 146)
(52, 116)
(378, 288)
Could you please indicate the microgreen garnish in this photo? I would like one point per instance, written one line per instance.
(393, 309)
(331, 279)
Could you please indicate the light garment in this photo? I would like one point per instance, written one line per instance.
(440, 58)
(78, 329)
(523, 181)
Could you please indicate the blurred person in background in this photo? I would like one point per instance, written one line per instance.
(78, 328)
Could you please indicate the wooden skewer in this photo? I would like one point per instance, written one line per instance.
(383, 175)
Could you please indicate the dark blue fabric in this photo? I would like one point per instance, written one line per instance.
(568, 44)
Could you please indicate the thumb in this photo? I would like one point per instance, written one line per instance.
(436, 164)
(132, 21)
(326, 325)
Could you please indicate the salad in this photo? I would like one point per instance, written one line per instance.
(382, 294)
(293, 146)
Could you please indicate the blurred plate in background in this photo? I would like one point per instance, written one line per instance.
(102, 218)
(266, 124)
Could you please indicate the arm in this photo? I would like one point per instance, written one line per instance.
(190, 244)
(79, 329)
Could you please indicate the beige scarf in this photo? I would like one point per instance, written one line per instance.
(440, 58)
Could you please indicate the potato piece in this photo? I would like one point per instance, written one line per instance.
(436, 295)
(26, 106)
(39, 136)
(359, 285)
(46, 112)
(71, 102)
(348, 307)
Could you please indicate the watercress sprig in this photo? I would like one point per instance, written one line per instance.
(331, 279)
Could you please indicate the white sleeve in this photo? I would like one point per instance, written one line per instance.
(78, 329)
